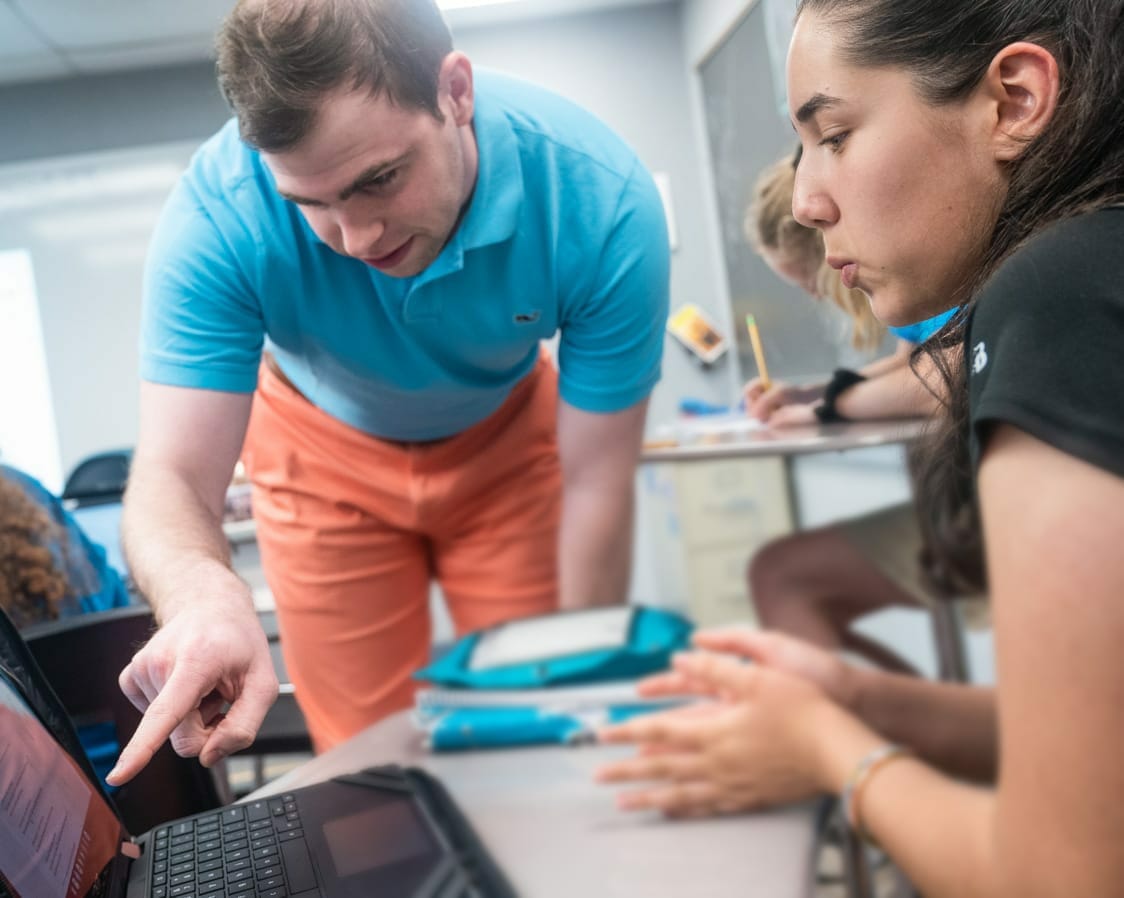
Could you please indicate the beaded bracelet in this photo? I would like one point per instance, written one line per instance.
(860, 776)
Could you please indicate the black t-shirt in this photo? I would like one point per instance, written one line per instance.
(1046, 342)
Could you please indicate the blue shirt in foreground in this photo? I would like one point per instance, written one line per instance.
(565, 232)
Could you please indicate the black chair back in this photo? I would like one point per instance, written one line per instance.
(82, 657)
(98, 479)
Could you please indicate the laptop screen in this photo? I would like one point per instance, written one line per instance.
(57, 834)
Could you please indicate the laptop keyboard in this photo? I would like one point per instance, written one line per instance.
(253, 850)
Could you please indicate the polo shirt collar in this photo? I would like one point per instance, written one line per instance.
(493, 210)
(493, 214)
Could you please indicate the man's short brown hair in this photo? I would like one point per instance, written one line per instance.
(278, 58)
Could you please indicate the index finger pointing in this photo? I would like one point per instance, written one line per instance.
(180, 696)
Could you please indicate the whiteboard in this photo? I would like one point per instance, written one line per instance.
(802, 337)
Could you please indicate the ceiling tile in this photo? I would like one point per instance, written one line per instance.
(108, 35)
(136, 56)
(75, 24)
(16, 39)
(505, 12)
(23, 55)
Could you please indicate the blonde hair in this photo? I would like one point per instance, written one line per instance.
(770, 227)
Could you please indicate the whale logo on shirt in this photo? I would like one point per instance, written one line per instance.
(527, 317)
(979, 357)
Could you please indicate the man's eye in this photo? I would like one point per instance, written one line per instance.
(383, 180)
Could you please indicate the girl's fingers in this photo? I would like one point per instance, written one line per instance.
(685, 799)
(720, 675)
(671, 728)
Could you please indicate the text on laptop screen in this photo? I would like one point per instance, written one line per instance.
(56, 831)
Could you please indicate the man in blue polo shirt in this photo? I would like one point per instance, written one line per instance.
(399, 234)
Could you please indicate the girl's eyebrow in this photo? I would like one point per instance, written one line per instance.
(814, 104)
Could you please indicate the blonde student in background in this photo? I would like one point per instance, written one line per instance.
(816, 583)
(964, 153)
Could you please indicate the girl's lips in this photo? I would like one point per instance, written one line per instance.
(848, 270)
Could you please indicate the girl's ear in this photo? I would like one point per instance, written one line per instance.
(1023, 83)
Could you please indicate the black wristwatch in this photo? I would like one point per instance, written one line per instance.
(842, 379)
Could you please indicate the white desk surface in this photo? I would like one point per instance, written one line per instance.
(788, 441)
(557, 834)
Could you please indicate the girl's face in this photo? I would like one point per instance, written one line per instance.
(905, 193)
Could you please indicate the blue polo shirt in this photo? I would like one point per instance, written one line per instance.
(564, 233)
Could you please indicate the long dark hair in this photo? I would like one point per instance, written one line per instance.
(1074, 166)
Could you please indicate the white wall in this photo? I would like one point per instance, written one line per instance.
(84, 222)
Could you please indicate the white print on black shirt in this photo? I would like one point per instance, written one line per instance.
(979, 357)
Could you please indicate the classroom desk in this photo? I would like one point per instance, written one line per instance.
(556, 834)
(788, 443)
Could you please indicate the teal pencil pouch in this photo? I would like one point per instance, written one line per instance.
(594, 645)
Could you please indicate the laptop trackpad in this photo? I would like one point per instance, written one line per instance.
(368, 841)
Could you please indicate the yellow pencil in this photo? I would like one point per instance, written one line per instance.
(758, 352)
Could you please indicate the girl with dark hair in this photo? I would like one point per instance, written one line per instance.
(967, 153)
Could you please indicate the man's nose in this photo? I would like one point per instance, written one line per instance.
(360, 234)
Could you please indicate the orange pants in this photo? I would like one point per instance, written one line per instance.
(353, 528)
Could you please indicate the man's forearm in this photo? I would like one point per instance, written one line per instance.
(174, 541)
(595, 545)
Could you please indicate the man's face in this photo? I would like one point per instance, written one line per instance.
(381, 183)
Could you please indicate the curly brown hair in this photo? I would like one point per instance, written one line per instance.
(32, 586)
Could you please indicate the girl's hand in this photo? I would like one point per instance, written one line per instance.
(838, 680)
(793, 415)
(754, 745)
(762, 403)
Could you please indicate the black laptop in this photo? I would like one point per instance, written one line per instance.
(390, 832)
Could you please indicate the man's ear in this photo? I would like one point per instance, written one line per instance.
(1023, 83)
(455, 88)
